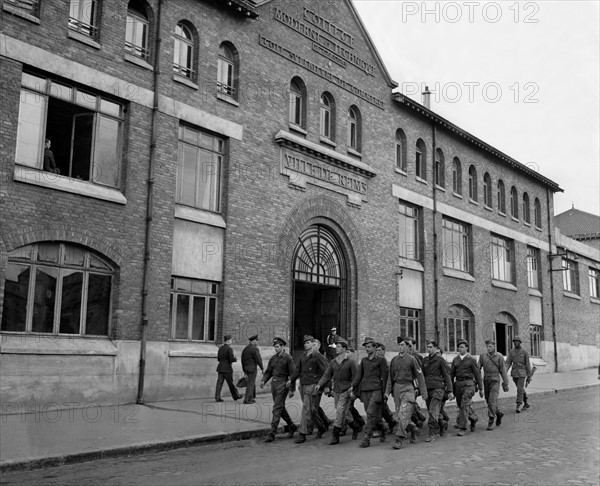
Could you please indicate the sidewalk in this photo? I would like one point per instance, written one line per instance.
(48, 436)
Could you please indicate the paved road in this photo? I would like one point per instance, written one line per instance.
(555, 443)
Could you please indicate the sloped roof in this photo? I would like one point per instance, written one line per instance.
(578, 224)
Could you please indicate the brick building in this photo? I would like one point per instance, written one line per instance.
(242, 167)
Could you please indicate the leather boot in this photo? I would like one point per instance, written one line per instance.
(356, 429)
(291, 429)
(443, 426)
(335, 438)
(366, 442)
(301, 438)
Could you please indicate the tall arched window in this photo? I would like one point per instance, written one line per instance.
(183, 55)
(57, 288)
(487, 190)
(227, 70)
(501, 197)
(354, 128)
(440, 169)
(458, 323)
(136, 30)
(456, 176)
(297, 113)
(421, 160)
(514, 203)
(537, 213)
(327, 118)
(472, 183)
(401, 162)
(526, 209)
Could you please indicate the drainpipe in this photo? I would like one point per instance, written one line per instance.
(149, 208)
(551, 280)
(436, 294)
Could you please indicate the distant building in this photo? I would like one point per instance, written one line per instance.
(580, 225)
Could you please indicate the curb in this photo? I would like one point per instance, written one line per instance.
(139, 449)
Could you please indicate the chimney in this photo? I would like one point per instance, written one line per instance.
(426, 98)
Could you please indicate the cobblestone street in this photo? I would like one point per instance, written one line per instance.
(556, 442)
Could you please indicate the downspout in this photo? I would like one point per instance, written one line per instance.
(149, 208)
(551, 281)
(435, 243)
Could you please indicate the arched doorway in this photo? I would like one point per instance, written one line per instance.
(319, 276)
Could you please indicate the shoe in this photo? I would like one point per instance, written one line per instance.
(490, 424)
(462, 432)
(335, 437)
(518, 409)
(431, 438)
(343, 432)
(270, 438)
(248, 402)
(443, 426)
(383, 435)
(291, 429)
(499, 416)
(236, 399)
(301, 439)
(413, 434)
(357, 429)
(398, 443)
(473, 424)
(320, 432)
(525, 406)
(364, 443)
(218, 399)
(456, 426)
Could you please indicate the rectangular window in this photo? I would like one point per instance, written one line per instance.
(456, 245)
(533, 267)
(535, 335)
(83, 17)
(502, 259)
(225, 78)
(594, 278)
(457, 328)
(199, 166)
(84, 130)
(193, 309)
(410, 324)
(419, 164)
(570, 276)
(136, 36)
(295, 108)
(25, 7)
(409, 232)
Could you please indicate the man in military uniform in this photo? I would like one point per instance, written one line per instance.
(404, 371)
(467, 379)
(386, 413)
(225, 370)
(372, 379)
(251, 360)
(438, 383)
(342, 371)
(518, 359)
(280, 367)
(310, 368)
(330, 350)
(492, 364)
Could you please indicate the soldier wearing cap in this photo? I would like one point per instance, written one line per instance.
(225, 370)
(386, 413)
(467, 379)
(438, 382)
(518, 359)
(492, 365)
(342, 370)
(331, 351)
(372, 379)
(280, 368)
(251, 360)
(404, 370)
(309, 369)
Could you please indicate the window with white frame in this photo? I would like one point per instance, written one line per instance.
(401, 162)
(327, 116)
(297, 103)
(421, 160)
(457, 325)
(456, 248)
(472, 183)
(502, 258)
(199, 169)
(526, 209)
(514, 203)
(537, 213)
(193, 309)
(409, 232)
(57, 288)
(456, 176)
(183, 54)
(570, 275)
(440, 169)
(29, 7)
(487, 190)
(594, 279)
(227, 71)
(501, 197)
(354, 128)
(410, 324)
(136, 30)
(84, 130)
(533, 267)
(535, 338)
(83, 17)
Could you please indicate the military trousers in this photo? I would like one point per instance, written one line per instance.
(465, 391)
(251, 386)
(342, 402)
(279, 390)
(372, 402)
(404, 400)
(310, 405)
(492, 390)
(435, 396)
(521, 393)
